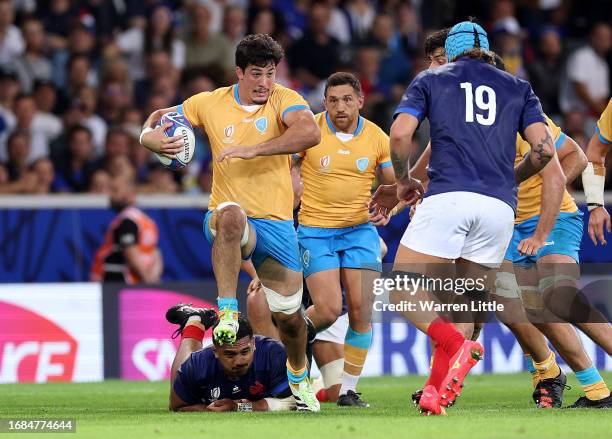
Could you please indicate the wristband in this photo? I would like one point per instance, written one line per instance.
(144, 131)
(245, 407)
(593, 181)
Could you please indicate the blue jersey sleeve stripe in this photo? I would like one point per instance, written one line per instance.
(279, 388)
(412, 111)
(384, 165)
(601, 137)
(179, 109)
(560, 140)
(293, 107)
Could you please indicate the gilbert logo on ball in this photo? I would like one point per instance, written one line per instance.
(180, 127)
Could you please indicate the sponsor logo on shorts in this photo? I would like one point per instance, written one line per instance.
(306, 258)
(261, 124)
(362, 163)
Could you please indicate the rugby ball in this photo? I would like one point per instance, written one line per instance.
(180, 127)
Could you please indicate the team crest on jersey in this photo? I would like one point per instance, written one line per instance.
(214, 393)
(306, 258)
(261, 124)
(228, 131)
(362, 163)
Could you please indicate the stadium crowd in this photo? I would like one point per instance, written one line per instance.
(78, 78)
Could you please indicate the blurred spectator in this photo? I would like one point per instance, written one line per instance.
(270, 13)
(586, 86)
(158, 66)
(234, 24)
(33, 65)
(88, 103)
(118, 142)
(361, 15)
(75, 170)
(157, 35)
(58, 19)
(39, 132)
(546, 71)
(160, 180)
(394, 66)
(12, 44)
(339, 26)
(9, 89)
(121, 166)
(18, 149)
(45, 176)
(100, 182)
(129, 252)
(203, 47)
(314, 57)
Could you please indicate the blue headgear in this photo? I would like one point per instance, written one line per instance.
(463, 37)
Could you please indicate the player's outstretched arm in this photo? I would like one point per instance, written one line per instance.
(593, 181)
(302, 133)
(155, 139)
(572, 158)
(553, 186)
(540, 139)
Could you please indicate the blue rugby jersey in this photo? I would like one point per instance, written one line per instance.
(201, 379)
(474, 111)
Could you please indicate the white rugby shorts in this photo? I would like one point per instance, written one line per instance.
(464, 225)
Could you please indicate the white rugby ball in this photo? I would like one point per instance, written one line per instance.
(180, 127)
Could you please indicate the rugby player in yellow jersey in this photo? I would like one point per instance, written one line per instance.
(338, 243)
(252, 126)
(593, 177)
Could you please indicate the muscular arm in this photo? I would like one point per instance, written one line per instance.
(156, 115)
(302, 133)
(155, 139)
(296, 180)
(402, 130)
(542, 151)
(386, 175)
(597, 150)
(572, 158)
(553, 186)
(419, 170)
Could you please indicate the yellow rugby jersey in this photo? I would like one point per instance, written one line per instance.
(338, 175)
(604, 125)
(262, 186)
(530, 191)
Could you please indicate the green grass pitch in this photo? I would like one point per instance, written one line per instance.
(492, 406)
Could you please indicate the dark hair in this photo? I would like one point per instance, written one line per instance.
(244, 328)
(258, 50)
(435, 40)
(478, 53)
(343, 78)
(498, 62)
(77, 128)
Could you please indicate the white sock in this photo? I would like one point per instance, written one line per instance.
(349, 382)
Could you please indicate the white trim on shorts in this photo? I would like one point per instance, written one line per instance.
(336, 332)
(465, 225)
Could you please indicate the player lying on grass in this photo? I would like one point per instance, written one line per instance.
(248, 375)
(472, 175)
(328, 345)
(252, 126)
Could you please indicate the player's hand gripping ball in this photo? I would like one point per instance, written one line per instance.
(180, 127)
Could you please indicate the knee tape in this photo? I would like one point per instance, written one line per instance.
(285, 304)
(332, 372)
(506, 286)
(245, 233)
